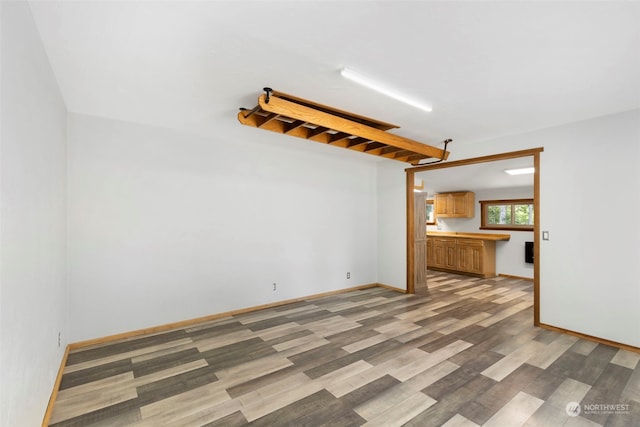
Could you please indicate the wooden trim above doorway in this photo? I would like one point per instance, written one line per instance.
(475, 160)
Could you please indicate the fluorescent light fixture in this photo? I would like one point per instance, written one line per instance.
(521, 171)
(348, 73)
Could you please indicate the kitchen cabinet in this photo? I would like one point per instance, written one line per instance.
(458, 204)
(471, 255)
(429, 252)
(444, 253)
(465, 253)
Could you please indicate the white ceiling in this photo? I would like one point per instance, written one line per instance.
(488, 68)
(477, 177)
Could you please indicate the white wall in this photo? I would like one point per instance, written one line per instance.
(509, 254)
(392, 224)
(34, 298)
(167, 226)
(590, 199)
(589, 202)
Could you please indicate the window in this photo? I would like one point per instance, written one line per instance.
(507, 214)
(431, 214)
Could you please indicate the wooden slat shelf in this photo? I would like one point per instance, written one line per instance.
(290, 115)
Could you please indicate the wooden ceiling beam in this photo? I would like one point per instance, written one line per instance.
(268, 118)
(271, 124)
(390, 150)
(375, 148)
(295, 125)
(336, 112)
(339, 138)
(320, 118)
(320, 134)
(297, 117)
(358, 144)
(342, 143)
(397, 155)
(415, 159)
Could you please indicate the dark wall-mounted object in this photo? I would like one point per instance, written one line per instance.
(528, 252)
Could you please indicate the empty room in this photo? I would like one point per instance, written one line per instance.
(305, 213)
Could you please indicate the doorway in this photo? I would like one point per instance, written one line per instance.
(412, 226)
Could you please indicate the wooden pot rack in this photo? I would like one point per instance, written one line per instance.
(289, 115)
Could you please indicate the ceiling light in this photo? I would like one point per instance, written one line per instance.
(379, 87)
(521, 171)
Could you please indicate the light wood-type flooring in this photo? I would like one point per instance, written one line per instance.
(462, 353)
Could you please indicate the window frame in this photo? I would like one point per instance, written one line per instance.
(484, 206)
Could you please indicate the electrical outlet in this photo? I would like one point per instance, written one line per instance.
(348, 275)
(274, 286)
(59, 338)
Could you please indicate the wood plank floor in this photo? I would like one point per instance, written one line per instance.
(462, 353)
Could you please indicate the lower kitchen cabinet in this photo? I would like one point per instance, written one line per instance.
(471, 255)
(444, 253)
(476, 257)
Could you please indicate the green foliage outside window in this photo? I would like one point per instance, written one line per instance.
(523, 214)
(507, 214)
(499, 214)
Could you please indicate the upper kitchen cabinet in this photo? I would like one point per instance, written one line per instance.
(459, 204)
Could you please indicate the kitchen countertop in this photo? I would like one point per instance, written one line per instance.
(461, 235)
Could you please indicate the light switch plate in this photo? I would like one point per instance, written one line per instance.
(545, 235)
